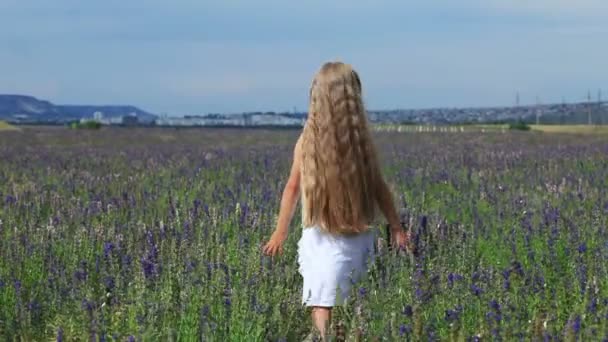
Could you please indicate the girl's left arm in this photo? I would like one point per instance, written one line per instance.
(289, 200)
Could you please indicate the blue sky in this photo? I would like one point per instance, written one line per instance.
(197, 56)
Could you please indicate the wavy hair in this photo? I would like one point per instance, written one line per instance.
(340, 171)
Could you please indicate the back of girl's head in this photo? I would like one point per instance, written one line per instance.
(339, 166)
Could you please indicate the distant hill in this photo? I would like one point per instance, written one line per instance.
(22, 108)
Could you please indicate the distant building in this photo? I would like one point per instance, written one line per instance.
(98, 116)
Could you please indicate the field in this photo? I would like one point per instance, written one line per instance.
(6, 127)
(574, 129)
(155, 235)
(488, 128)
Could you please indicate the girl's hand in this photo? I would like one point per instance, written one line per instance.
(400, 238)
(275, 245)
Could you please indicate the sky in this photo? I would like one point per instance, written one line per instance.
(197, 56)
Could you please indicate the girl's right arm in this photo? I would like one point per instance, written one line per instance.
(387, 206)
(385, 201)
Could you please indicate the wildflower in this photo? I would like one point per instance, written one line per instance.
(10, 199)
(592, 307)
(59, 335)
(108, 247)
(476, 290)
(517, 268)
(506, 283)
(404, 329)
(451, 315)
(576, 324)
(452, 277)
(582, 248)
(109, 283)
(87, 305)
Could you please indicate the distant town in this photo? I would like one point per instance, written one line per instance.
(581, 113)
(23, 110)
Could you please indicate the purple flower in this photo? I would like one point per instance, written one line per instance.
(10, 199)
(59, 335)
(109, 283)
(408, 311)
(362, 291)
(592, 307)
(131, 338)
(108, 247)
(190, 266)
(149, 262)
(517, 268)
(404, 329)
(452, 277)
(87, 305)
(582, 248)
(495, 305)
(576, 324)
(451, 315)
(420, 294)
(506, 283)
(476, 290)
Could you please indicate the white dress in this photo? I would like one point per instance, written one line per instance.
(331, 264)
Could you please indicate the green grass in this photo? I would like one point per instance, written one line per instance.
(489, 128)
(571, 129)
(6, 127)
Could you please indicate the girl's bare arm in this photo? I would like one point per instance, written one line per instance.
(291, 194)
(289, 200)
(387, 206)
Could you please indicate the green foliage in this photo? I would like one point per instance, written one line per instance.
(519, 125)
(4, 126)
(93, 125)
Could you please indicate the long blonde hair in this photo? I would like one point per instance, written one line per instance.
(340, 171)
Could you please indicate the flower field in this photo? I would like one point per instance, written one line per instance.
(155, 235)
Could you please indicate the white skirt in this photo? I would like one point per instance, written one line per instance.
(331, 264)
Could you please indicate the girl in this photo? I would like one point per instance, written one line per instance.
(336, 172)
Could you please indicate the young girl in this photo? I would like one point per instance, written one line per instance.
(335, 171)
